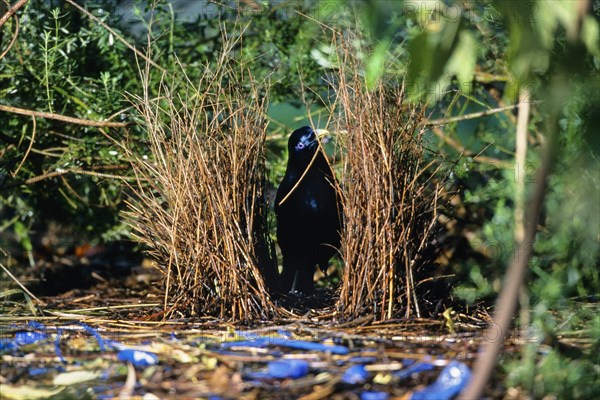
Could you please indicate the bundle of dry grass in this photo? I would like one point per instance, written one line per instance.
(199, 203)
(389, 201)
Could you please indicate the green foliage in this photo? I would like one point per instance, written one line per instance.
(550, 376)
(68, 64)
(565, 371)
(481, 55)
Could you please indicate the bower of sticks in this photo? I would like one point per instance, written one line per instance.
(200, 203)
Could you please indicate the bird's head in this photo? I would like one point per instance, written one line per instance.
(303, 143)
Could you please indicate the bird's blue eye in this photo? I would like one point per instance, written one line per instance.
(300, 146)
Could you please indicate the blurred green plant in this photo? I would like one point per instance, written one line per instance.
(558, 61)
(463, 57)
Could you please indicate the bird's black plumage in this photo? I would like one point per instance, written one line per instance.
(309, 218)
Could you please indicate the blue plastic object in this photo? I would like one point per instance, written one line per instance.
(38, 371)
(57, 349)
(37, 325)
(95, 334)
(354, 375)
(288, 369)
(453, 378)
(374, 396)
(294, 344)
(24, 337)
(8, 344)
(284, 333)
(362, 359)
(413, 369)
(138, 358)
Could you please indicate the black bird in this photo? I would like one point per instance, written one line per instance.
(308, 210)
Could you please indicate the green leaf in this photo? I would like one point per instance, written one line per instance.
(23, 234)
(429, 53)
(590, 34)
(375, 65)
(463, 60)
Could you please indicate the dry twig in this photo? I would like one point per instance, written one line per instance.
(58, 117)
(198, 202)
(389, 203)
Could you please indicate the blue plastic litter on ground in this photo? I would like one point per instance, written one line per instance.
(413, 369)
(257, 376)
(288, 369)
(246, 343)
(284, 333)
(95, 334)
(374, 396)
(36, 325)
(356, 374)
(294, 344)
(453, 378)
(38, 371)
(26, 337)
(113, 344)
(138, 358)
(311, 346)
(57, 349)
(8, 345)
(362, 359)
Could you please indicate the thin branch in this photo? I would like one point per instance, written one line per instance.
(464, 152)
(21, 285)
(11, 11)
(520, 158)
(61, 172)
(58, 117)
(28, 148)
(15, 35)
(507, 301)
(314, 157)
(444, 121)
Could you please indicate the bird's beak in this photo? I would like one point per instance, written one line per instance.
(323, 135)
(321, 132)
